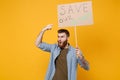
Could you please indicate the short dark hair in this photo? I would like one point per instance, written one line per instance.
(64, 31)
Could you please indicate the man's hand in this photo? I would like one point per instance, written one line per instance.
(84, 63)
(40, 36)
(48, 27)
(78, 53)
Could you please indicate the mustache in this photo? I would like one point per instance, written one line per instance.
(59, 41)
(64, 42)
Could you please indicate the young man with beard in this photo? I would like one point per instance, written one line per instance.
(63, 57)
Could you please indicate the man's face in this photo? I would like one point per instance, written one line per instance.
(62, 40)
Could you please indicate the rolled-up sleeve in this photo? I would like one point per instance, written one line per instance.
(45, 46)
(84, 64)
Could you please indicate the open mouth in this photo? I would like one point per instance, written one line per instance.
(60, 43)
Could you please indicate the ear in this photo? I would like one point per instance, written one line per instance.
(67, 38)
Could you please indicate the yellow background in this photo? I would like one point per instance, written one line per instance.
(21, 22)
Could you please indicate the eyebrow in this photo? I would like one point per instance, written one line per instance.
(61, 36)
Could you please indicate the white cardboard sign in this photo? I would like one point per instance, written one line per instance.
(75, 14)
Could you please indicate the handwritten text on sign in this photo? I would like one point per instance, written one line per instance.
(75, 14)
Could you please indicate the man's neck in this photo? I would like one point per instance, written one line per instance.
(65, 47)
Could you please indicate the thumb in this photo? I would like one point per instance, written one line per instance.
(76, 46)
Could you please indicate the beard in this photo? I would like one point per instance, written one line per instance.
(62, 44)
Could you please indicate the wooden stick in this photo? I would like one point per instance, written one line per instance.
(75, 36)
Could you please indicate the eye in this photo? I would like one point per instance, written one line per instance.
(62, 36)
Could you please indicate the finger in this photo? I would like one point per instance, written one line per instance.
(50, 25)
(77, 48)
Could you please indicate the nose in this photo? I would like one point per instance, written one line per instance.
(59, 39)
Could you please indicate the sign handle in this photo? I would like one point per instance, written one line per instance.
(76, 42)
(75, 36)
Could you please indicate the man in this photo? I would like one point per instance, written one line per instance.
(64, 58)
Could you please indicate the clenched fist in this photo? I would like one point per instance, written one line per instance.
(48, 27)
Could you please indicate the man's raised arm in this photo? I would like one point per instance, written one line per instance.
(40, 36)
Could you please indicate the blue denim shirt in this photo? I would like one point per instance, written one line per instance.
(72, 60)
